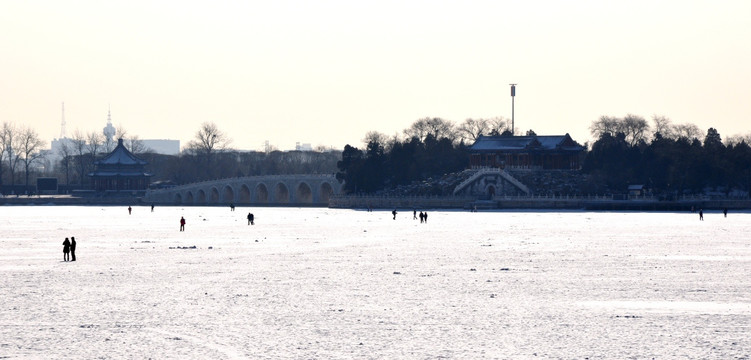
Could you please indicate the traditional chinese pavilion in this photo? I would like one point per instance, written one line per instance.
(556, 152)
(120, 171)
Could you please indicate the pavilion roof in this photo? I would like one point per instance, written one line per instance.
(120, 156)
(525, 143)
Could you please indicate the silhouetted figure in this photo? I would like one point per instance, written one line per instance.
(152, 207)
(414, 214)
(725, 212)
(426, 216)
(66, 250)
(701, 215)
(422, 217)
(232, 207)
(250, 219)
(394, 213)
(72, 248)
(129, 210)
(182, 223)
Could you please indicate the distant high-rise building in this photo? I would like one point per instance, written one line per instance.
(162, 146)
(303, 147)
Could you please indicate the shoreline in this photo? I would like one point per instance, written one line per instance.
(447, 203)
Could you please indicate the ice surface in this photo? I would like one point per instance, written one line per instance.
(341, 284)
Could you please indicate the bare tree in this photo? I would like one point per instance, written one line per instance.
(120, 132)
(136, 146)
(94, 144)
(79, 150)
(418, 129)
(605, 125)
(30, 149)
(6, 138)
(663, 126)
(687, 131)
(14, 145)
(499, 125)
(375, 136)
(471, 129)
(737, 139)
(437, 127)
(635, 128)
(65, 151)
(208, 141)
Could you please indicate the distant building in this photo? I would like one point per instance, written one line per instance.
(162, 146)
(303, 147)
(120, 171)
(556, 152)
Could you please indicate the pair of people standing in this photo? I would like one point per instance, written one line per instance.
(69, 249)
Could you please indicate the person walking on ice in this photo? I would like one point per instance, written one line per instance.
(66, 250)
(182, 223)
(72, 248)
(250, 218)
(129, 210)
(701, 214)
(394, 213)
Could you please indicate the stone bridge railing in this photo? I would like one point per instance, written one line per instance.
(303, 190)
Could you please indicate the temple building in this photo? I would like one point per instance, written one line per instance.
(556, 152)
(120, 171)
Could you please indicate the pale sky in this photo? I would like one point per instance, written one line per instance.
(327, 72)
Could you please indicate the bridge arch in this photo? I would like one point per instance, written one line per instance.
(325, 192)
(262, 193)
(304, 194)
(281, 193)
(228, 195)
(214, 195)
(244, 195)
(268, 189)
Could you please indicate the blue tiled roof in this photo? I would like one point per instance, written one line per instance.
(120, 156)
(522, 143)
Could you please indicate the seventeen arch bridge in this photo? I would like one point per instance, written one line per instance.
(289, 190)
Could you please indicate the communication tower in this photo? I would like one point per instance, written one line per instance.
(513, 93)
(109, 130)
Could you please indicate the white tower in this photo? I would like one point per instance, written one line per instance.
(109, 130)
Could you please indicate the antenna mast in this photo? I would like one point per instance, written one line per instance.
(62, 126)
(513, 93)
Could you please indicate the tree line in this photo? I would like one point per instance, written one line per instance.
(209, 155)
(669, 159)
(430, 147)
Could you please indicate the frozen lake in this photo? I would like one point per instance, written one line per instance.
(341, 284)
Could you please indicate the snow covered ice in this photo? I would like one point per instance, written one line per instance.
(340, 284)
